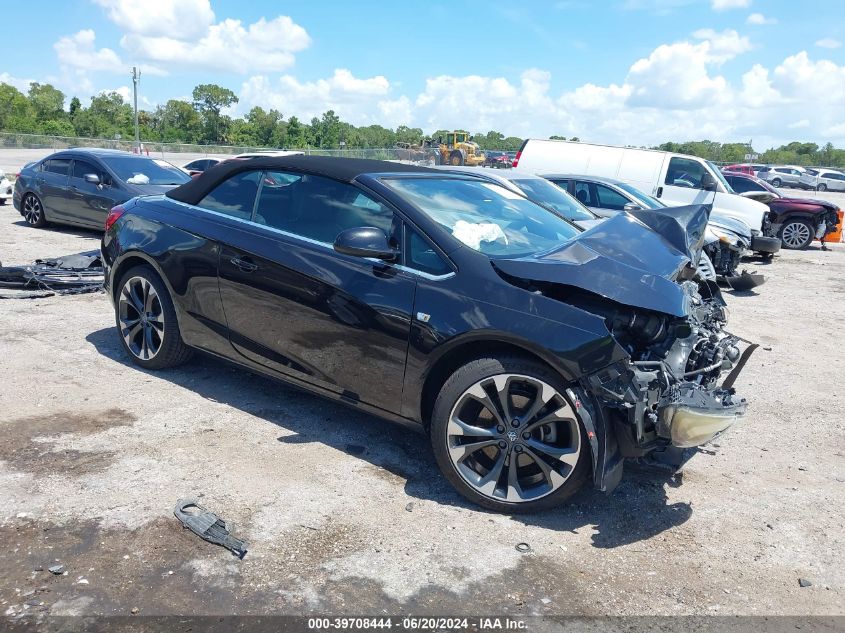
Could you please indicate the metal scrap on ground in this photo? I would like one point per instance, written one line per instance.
(208, 526)
(69, 274)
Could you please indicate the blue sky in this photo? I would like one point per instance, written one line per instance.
(618, 71)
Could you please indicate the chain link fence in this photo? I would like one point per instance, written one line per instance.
(14, 140)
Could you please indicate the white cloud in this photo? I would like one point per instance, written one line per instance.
(123, 91)
(828, 42)
(353, 99)
(676, 92)
(724, 5)
(185, 33)
(17, 82)
(80, 52)
(179, 19)
(758, 19)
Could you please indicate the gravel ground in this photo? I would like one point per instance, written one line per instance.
(347, 514)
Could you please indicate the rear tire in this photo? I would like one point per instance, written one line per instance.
(33, 211)
(508, 437)
(796, 234)
(146, 320)
(456, 159)
(776, 182)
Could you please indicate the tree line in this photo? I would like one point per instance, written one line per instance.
(203, 121)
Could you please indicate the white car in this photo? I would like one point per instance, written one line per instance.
(5, 187)
(823, 180)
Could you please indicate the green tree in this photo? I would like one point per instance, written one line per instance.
(296, 133)
(177, 120)
(75, 106)
(265, 125)
(47, 101)
(16, 112)
(209, 100)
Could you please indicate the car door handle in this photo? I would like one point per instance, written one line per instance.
(244, 264)
(659, 191)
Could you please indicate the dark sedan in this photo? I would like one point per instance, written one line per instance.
(196, 167)
(536, 356)
(79, 186)
(795, 221)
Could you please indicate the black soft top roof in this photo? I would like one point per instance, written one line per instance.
(342, 169)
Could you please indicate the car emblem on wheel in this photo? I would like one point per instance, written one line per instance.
(512, 435)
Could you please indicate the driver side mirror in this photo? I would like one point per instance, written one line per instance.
(94, 179)
(631, 206)
(708, 183)
(365, 241)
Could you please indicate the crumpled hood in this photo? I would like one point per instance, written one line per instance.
(811, 201)
(624, 260)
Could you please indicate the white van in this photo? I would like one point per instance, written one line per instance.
(675, 179)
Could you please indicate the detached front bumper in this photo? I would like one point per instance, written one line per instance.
(761, 244)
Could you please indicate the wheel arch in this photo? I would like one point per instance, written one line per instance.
(788, 216)
(128, 261)
(466, 350)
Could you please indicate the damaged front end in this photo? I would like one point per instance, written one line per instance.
(669, 393)
(674, 391)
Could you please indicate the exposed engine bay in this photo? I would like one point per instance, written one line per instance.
(669, 392)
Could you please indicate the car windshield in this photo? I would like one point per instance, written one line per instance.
(139, 170)
(718, 173)
(647, 201)
(555, 198)
(485, 216)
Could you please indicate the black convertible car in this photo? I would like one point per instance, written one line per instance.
(535, 355)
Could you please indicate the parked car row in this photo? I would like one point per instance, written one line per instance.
(812, 178)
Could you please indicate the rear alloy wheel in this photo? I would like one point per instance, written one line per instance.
(33, 211)
(796, 234)
(507, 436)
(776, 182)
(147, 322)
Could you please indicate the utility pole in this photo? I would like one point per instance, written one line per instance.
(136, 77)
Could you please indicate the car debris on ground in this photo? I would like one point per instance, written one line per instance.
(69, 274)
(208, 526)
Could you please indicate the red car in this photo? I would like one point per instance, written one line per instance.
(740, 169)
(796, 221)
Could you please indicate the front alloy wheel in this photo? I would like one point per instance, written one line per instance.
(796, 235)
(141, 318)
(511, 440)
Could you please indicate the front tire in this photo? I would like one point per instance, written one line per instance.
(456, 159)
(821, 187)
(508, 437)
(146, 321)
(796, 234)
(33, 211)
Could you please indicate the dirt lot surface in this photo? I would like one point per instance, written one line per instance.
(347, 514)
